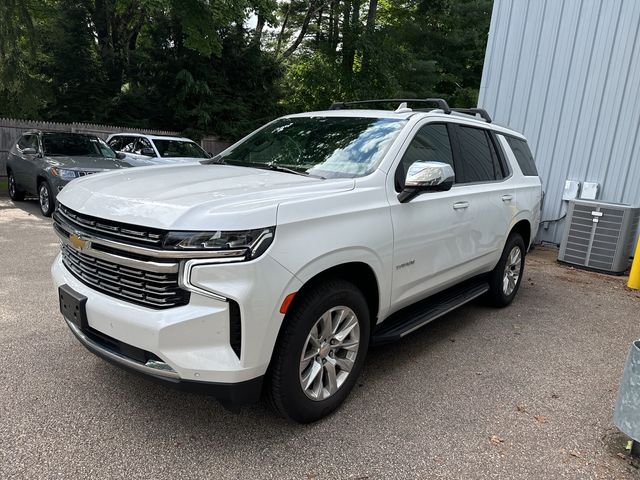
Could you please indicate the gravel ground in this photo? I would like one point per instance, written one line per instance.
(523, 392)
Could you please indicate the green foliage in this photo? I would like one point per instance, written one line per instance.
(69, 57)
(312, 82)
(227, 66)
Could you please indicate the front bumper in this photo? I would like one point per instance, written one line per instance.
(57, 184)
(194, 339)
(241, 393)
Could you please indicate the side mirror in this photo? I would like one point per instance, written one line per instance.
(148, 152)
(29, 151)
(426, 177)
(120, 156)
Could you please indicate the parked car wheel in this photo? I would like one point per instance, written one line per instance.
(14, 193)
(320, 351)
(45, 197)
(506, 277)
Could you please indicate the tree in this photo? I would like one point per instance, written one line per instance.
(225, 67)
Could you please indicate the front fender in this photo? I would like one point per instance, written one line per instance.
(346, 255)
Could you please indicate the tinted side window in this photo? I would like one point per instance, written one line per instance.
(430, 144)
(141, 144)
(115, 143)
(478, 162)
(28, 141)
(523, 156)
(128, 144)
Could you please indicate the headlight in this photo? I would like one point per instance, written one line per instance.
(241, 243)
(63, 173)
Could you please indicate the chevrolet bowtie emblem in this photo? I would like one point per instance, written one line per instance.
(78, 242)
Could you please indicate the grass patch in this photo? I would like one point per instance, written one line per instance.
(3, 185)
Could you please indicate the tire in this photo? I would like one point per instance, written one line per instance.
(15, 193)
(45, 198)
(335, 299)
(504, 285)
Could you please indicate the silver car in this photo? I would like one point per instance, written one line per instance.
(42, 163)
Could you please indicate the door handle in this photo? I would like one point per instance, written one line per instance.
(460, 205)
(507, 198)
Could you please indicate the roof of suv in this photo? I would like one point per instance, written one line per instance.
(152, 137)
(47, 132)
(406, 114)
(437, 107)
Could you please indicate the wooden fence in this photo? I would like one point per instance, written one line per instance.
(11, 129)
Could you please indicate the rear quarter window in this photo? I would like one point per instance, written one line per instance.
(523, 155)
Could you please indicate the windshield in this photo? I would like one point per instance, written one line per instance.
(73, 145)
(328, 147)
(179, 148)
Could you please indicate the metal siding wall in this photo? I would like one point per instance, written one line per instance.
(566, 73)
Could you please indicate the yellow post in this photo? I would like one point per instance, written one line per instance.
(634, 276)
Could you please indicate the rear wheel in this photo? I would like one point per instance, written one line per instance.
(320, 351)
(45, 197)
(505, 279)
(14, 192)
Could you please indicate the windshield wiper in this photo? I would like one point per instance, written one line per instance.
(280, 168)
(219, 160)
(215, 160)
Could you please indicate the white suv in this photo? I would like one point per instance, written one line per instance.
(275, 265)
(144, 150)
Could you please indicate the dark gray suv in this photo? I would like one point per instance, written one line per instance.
(42, 163)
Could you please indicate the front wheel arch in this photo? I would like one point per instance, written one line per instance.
(359, 274)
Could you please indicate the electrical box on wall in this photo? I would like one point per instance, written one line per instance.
(590, 190)
(571, 190)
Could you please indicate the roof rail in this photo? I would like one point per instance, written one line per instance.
(439, 102)
(474, 111)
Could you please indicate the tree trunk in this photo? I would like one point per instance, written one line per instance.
(302, 32)
(350, 28)
(370, 29)
(330, 29)
(282, 29)
(371, 15)
(336, 27)
(319, 26)
(257, 35)
(347, 39)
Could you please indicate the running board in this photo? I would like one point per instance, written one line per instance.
(419, 314)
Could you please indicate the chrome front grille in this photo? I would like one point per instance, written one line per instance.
(134, 234)
(120, 260)
(151, 289)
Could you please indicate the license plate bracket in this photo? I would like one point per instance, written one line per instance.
(73, 306)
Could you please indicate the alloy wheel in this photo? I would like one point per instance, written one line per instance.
(512, 270)
(12, 186)
(329, 353)
(43, 194)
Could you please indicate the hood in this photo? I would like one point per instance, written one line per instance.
(194, 196)
(87, 163)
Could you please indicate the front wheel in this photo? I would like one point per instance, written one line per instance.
(45, 197)
(505, 279)
(320, 351)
